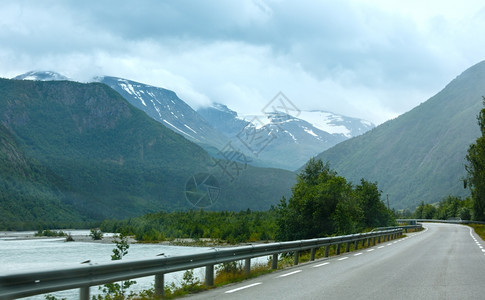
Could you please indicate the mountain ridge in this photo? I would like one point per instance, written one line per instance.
(293, 139)
(97, 157)
(420, 155)
(303, 136)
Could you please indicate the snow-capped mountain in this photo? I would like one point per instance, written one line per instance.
(41, 76)
(164, 106)
(281, 139)
(275, 139)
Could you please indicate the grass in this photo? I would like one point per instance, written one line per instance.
(224, 277)
(479, 229)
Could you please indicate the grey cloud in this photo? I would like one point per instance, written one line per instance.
(215, 49)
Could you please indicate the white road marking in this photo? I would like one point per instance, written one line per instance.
(243, 287)
(380, 247)
(319, 265)
(476, 241)
(370, 250)
(390, 244)
(343, 258)
(291, 273)
(357, 254)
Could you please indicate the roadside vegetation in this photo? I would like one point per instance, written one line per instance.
(479, 229)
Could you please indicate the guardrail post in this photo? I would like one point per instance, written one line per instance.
(368, 242)
(209, 275)
(338, 249)
(312, 254)
(356, 244)
(297, 256)
(159, 285)
(84, 293)
(378, 239)
(247, 266)
(326, 250)
(274, 264)
(347, 248)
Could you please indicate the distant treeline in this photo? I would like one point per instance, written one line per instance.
(449, 208)
(322, 204)
(232, 227)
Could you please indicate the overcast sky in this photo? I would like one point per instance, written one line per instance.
(372, 59)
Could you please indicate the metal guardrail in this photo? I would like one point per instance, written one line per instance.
(403, 227)
(456, 221)
(83, 277)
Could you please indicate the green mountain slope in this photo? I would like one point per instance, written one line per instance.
(106, 158)
(418, 156)
(29, 192)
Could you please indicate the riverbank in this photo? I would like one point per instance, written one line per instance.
(76, 234)
(109, 238)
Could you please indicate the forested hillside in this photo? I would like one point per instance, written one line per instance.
(29, 192)
(420, 155)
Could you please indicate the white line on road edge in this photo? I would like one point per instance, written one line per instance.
(291, 273)
(370, 250)
(390, 244)
(343, 258)
(476, 241)
(319, 265)
(243, 287)
(357, 254)
(380, 247)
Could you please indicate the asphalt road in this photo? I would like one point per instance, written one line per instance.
(445, 261)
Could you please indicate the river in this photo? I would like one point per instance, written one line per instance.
(19, 255)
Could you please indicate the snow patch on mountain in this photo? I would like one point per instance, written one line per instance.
(41, 76)
(310, 132)
(325, 121)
